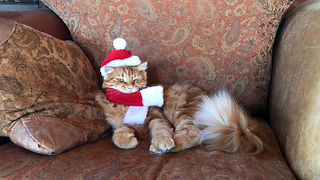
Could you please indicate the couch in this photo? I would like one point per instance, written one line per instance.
(51, 127)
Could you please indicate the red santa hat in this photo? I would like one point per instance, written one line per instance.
(119, 57)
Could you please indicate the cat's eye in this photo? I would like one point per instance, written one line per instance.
(120, 79)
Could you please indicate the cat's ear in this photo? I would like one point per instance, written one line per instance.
(142, 66)
(107, 70)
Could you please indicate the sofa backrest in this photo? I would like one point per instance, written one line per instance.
(211, 44)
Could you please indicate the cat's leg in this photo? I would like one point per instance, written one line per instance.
(185, 135)
(114, 113)
(181, 103)
(124, 138)
(161, 132)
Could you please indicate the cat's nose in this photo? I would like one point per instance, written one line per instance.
(130, 88)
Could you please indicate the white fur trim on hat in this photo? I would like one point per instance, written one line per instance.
(131, 61)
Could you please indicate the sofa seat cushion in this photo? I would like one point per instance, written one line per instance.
(103, 160)
(211, 44)
(46, 91)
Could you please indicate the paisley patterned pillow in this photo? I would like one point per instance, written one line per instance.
(212, 44)
(45, 87)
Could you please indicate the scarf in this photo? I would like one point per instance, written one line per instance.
(138, 102)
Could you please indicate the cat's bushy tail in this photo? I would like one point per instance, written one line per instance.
(226, 126)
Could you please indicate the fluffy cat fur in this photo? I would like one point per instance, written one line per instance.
(188, 117)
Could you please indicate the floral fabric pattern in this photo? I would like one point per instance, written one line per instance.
(211, 44)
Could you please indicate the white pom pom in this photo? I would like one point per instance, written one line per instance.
(119, 43)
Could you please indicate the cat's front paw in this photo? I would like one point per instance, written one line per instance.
(161, 144)
(124, 138)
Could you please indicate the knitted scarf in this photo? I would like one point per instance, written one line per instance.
(138, 102)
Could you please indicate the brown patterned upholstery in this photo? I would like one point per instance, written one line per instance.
(46, 90)
(211, 44)
(103, 160)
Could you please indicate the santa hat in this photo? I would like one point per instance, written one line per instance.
(119, 57)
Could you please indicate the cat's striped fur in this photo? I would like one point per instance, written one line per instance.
(188, 117)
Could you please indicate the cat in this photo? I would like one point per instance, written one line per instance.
(188, 117)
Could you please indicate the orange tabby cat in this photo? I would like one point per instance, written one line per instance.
(187, 118)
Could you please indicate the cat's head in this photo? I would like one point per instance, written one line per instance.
(127, 79)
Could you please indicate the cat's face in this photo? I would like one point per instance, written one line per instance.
(127, 79)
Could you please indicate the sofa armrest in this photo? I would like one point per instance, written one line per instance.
(294, 105)
(43, 20)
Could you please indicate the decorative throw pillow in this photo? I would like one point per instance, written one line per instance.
(46, 91)
(212, 44)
